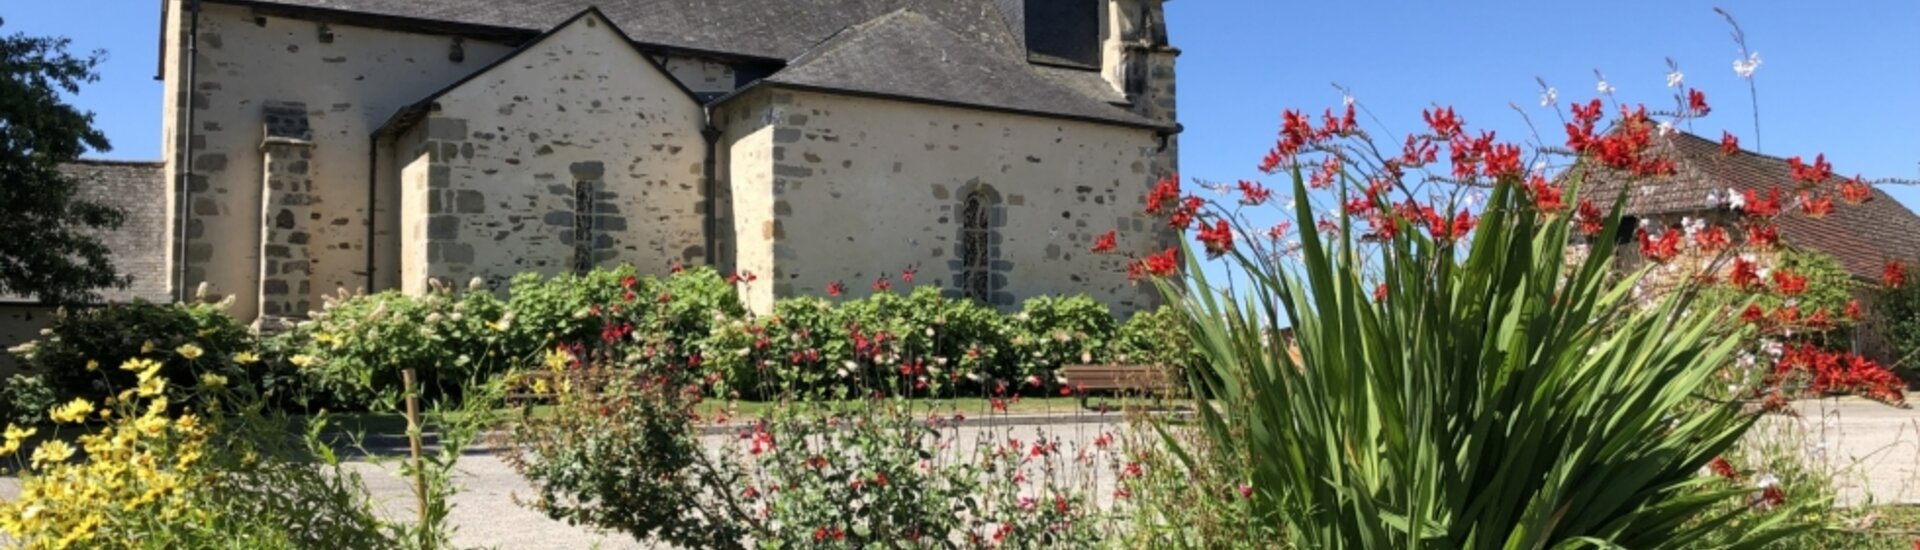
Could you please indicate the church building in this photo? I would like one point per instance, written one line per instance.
(313, 145)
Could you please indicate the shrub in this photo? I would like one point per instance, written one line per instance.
(1051, 331)
(352, 353)
(1154, 337)
(560, 309)
(76, 358)
(27, 398)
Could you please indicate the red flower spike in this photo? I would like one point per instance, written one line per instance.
(1104, 243)
(883, 284)
(836, 288)
(1165, 192)
(1856, 191)
(1323, 177)
(1763, 235)
(1546, 197)
(1503, 161)
(1815, 207)
(1753, 314)
(1722, 468)
(1712, 239)
(1697, 103)
(1763, 206)
(1443, 122)
(906, 275)
(1854, 312)
(1895, 274)
(1810, 174)
(1788, 283)
(1591, 220)
(1218, 239)
(1661, 249)
(1253, 194)
(1380, 293)
(1744, 275)
(1729, 144)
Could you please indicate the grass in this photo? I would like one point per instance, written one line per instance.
(1892, 526)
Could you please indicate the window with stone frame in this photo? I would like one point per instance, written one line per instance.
(583, 218)
(976, 246)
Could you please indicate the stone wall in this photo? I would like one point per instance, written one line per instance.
(350, 78)
(866, 187)
(576, 152)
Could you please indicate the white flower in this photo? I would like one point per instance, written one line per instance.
(1674, 79)
(1604, 88)
(1550, 97)
(1736, 200)
(1666, 127)
(1346, 101)
(1745, 67)
(1765, 481)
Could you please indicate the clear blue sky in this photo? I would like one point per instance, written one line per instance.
(1837, 77)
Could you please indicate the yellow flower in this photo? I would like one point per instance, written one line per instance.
(15, 436)
(189, 351)
(152, 386)
(138, 365)
(302, 360)
(157, 407)
(557, 359)
(246, 358)
(211, 380)
(146, 347)
(187, 423)
(74, 411)
(540, 386)
(54, 451)
(151, 425)
(92, 365)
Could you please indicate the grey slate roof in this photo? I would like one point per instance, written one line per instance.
(139, 246)
(906, 54)
(798, 31)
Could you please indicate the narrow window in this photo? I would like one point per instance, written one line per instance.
(976, 247)
(583, 216)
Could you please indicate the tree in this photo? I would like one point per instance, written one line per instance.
(1900, 308)
(50, 251)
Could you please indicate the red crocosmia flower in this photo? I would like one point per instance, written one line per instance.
(1772, 497)
(1279, 230)
(1895, 275)
(1136, 271)
(1729, 144)
(1744, 274)
(1104, 243)
(1419, 151)
(1820, 319)
(629, 281)
(1815, 207)
(1253, 194)
(1060, 503)
(1546, 197)
(1503, 160)
(1753, 314)
(1856, 191)
(1185, 213)
(1580, 131)
(1712, 239)
(1591, 220)
(1722, 468)
(678, 267)
(906, 275)
(1788, 283)
(1463, 223)
(1854, 312)
(1763, 235)
(1763, 206)
(1164, 193)
(1341, 126)
(1380, 292)
(1443, 122)
(1328, 172)
(1697, 103)
(883, 284)
(1814, 173)
(1163, 264)
(1218, 239)
(1787, 314)
(1661, 249)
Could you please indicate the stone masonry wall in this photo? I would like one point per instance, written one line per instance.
(286, 265)
(865, 187)
(576, 151)
(351, 80)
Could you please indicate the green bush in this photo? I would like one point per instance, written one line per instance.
(1154, 337)
(352, 353)
(81, 354)
(1051, 331)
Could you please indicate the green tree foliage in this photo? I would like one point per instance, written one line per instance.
(48, 254)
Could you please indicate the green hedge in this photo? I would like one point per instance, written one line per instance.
(82, 352)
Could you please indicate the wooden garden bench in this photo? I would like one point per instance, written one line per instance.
(1146, 379)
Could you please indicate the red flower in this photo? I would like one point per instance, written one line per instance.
(1279, 230)
(1546, 197)
(1753, 314)
(1590, 219)
(1161, 265)
(1060, 503)
(1580, 131)
(1104, 243)
(1820, 319)
(1817, 172)
(1815, 207)
(1697, 102)
(1186, 212)
(1380, 292)
(1763, 235)
(1712, 239)
(1503, 160)
(1218, 239)
(836, 288)
(1744, 274)
(1164, 192)
(1895, 274)
(1419, 151)
(1253, 194)
(1853, 310)
(1662, 249)
(1856, 191)
(1328, 172)
(1772, 497)
(1443, 122)
(882, 284)
(1787, 314)
(1788, 283)
(1729, 144)
(1338, 126)
(629, 281)
(906, 275)
(1759, 205)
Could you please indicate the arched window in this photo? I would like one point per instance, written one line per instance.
(976, 246)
